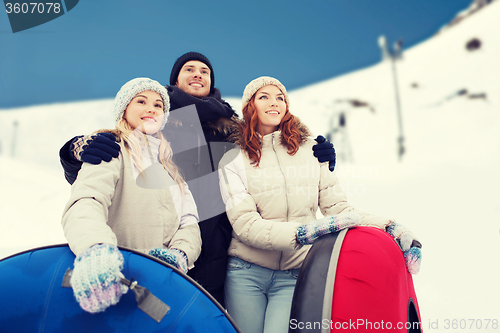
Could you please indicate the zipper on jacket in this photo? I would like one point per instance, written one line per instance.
(286, 191)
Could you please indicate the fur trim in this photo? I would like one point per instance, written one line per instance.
(304, 131)
(226, 126)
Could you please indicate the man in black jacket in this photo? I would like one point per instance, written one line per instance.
(198, 126)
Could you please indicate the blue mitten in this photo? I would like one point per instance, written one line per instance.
(402, 235)
(96, 278)
(174, 257)
(325, 152)
(95, 148)
(413, 259)
(408, 243)
(308, 233)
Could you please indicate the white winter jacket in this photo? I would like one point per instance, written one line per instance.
(107, 206)
(266, 204)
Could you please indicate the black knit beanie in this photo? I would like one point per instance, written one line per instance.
(188, 57)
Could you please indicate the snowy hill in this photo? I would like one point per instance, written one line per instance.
(472, 9)
(445, 188)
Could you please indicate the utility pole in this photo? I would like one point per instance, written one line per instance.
(393, 57)
(14, 139)
(339, 134)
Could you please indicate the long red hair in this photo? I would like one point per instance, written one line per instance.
(250, 128)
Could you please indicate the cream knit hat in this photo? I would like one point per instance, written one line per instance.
(260, 82)
(135, 86)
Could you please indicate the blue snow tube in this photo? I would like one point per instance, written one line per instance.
(33, 299)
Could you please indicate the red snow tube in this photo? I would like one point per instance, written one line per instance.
(355, 281)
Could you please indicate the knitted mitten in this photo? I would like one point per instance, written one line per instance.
(413, 259)
(95, 148)
(173, 257)
(403, 234)
(308, 233)
(96, 277)
(408, 244)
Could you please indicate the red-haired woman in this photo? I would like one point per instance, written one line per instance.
(272, 187)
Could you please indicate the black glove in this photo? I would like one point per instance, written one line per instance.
(325, 152)
(95, 148)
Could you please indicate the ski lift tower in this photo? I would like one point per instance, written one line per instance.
(339, 134)
(393, 56)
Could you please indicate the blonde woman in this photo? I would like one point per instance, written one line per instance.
(138, 200)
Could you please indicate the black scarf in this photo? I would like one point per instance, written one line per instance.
(209, 108)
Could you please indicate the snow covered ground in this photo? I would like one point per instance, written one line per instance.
(445, 188)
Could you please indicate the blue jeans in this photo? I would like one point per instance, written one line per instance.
(258, 298)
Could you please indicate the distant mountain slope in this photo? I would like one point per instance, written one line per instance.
(450, 98)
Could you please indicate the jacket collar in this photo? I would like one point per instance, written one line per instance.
(268, 139)
(209, 108)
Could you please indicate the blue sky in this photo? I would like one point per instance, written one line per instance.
(89, 52)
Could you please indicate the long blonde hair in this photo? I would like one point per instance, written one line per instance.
(135, 139)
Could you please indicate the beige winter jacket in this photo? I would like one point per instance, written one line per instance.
(107, 206)
(267, 204)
